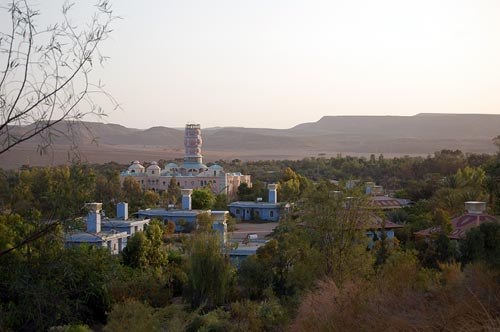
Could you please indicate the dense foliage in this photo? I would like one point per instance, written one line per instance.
(318, 270)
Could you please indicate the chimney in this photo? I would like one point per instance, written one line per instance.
(220, 224)
(186, 198)
(122, 211)
(369, 186)
(273, 197)
(473, 207)
(94, 217)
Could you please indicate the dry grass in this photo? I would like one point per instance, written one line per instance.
(467, 301)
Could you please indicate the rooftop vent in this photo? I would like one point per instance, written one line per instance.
(473, 207)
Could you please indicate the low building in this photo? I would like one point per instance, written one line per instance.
(186, 218)
(474, 217)
(114, 240)
(239, 253)
(265, 211)
(388, 203)
(379, 199)
(122, 223)
(377, 227)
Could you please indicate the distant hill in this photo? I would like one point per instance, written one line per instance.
(425, 125)
(421, 134)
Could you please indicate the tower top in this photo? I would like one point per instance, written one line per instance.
(193, 159)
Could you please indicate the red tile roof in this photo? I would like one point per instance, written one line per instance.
(378, 223)
(460, 225)
(386, 202)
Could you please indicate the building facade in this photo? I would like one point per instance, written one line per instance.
(474, 217)
(192, 174)
(265, 211)
(108, 233)
(185, 219)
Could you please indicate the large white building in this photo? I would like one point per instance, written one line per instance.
(191, 174)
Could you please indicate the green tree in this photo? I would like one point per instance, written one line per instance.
(483, 244)
(289, 258)
(254, 277)
(336, 224)
(132, 192)
(442, 221)
(132, 315)
(210, 275)
(145, 249)
(57, 287)
(202, 199)
(205, 222)
(151, 198)
(245, 192)
(289, 186)
(220, 202)
(173, 191)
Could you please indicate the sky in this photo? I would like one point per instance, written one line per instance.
(278, 63)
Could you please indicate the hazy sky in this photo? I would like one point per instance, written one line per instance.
(265, 63)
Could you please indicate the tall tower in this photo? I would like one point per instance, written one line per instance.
(192, 144)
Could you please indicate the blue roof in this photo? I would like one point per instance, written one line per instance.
(160, 212)
(193, 165)
(265, 205)
(216, 167)
(171, 165)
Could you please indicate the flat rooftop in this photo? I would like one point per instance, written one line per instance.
(261, 229)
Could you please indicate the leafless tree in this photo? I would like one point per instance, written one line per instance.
(45, 83)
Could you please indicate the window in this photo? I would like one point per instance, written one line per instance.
(238, 211)
(271, 214)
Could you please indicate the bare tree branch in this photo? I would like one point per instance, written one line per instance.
(46, 75)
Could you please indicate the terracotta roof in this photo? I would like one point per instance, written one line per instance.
(386, 202)
(460, 225)
(376, 222)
